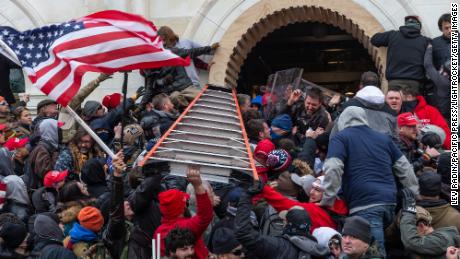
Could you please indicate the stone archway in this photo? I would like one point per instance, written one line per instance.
(266, 16)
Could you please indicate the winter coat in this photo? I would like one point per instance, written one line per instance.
(93, 175)
(433, 245)
(304, 121)
(147, 217)
(363, 163)
(430, 115)
(44, 155)
(441, 84)
(104, 125)
(6, 163)
(442, 213)
(197, 224)
(320, 217)
(44, 200)
(268, 246)
(406, 49)
(48, 240)
(17, 198)
(155, 123)
(116, 232)
(441, 50)
(184, 44)
(380, 116)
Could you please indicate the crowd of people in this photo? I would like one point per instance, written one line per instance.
(366, 177)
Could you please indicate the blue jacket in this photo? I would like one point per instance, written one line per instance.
(368, 157)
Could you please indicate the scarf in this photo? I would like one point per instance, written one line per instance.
(79, 234)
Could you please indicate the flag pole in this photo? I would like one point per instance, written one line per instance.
(124, 91)
(90, 132)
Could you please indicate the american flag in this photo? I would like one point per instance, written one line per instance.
(55, 57)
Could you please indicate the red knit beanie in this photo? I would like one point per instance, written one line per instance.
(172, 203)
(262, 149)
(112, 101)
(91, 218)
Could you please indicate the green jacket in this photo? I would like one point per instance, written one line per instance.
(433, 245)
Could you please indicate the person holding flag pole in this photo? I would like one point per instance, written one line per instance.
(55, 57)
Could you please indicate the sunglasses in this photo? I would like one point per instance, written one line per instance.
(333, 242)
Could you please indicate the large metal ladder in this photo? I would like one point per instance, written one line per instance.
(209, 133)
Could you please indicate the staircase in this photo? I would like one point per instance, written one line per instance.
(209, 133)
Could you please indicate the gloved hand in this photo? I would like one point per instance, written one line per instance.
(408, 201)
(140, 91)
(256, 188)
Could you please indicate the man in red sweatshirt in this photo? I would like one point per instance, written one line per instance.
(172, 207)
(320, 216)
(415, 103)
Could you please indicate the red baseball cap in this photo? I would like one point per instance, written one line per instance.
(15, 143)
(3, 126)
(53, 177)
(407, 119)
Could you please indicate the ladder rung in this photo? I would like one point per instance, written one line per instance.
(213, 107)
(204, 143)
(200, 163)
(216, 96)
(183, 132)
(211, 120)
(215, 102)
(202, 153)
(215, 114)
(215, 128)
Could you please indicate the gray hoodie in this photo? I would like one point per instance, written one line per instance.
(16, 189)
(46, 228)
(6, 162)
(49, 132)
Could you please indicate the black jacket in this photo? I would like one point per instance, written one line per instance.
(406, 49)
(271, 247)
(441, 84)
(441, 51)
(147, 217)
(380, 117)
(155, 123)
(169, 79)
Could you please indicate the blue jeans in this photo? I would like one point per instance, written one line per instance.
(380, 217)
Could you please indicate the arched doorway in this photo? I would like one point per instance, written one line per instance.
(328, 55)
(265, 17)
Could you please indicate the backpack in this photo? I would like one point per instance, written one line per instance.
(270, 223)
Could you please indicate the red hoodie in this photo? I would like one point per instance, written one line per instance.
(430, 115)
(197, 224)
(319, 216)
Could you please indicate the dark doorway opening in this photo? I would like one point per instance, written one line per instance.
(329, 56)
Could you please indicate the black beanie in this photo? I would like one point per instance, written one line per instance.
(357, 227)
(224, 241)
(430, 184)
(13, 234)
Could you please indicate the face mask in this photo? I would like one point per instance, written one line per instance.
(275, 135)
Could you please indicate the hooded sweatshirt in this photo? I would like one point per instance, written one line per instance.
(93, 175)
(6, 163)
(379, 116)
(430, 115)
(16, 189)
(49, 239)
(361, 161)
(49, 132)
(406, 50)
(319, 215)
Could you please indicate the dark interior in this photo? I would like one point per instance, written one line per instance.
(329, 56)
